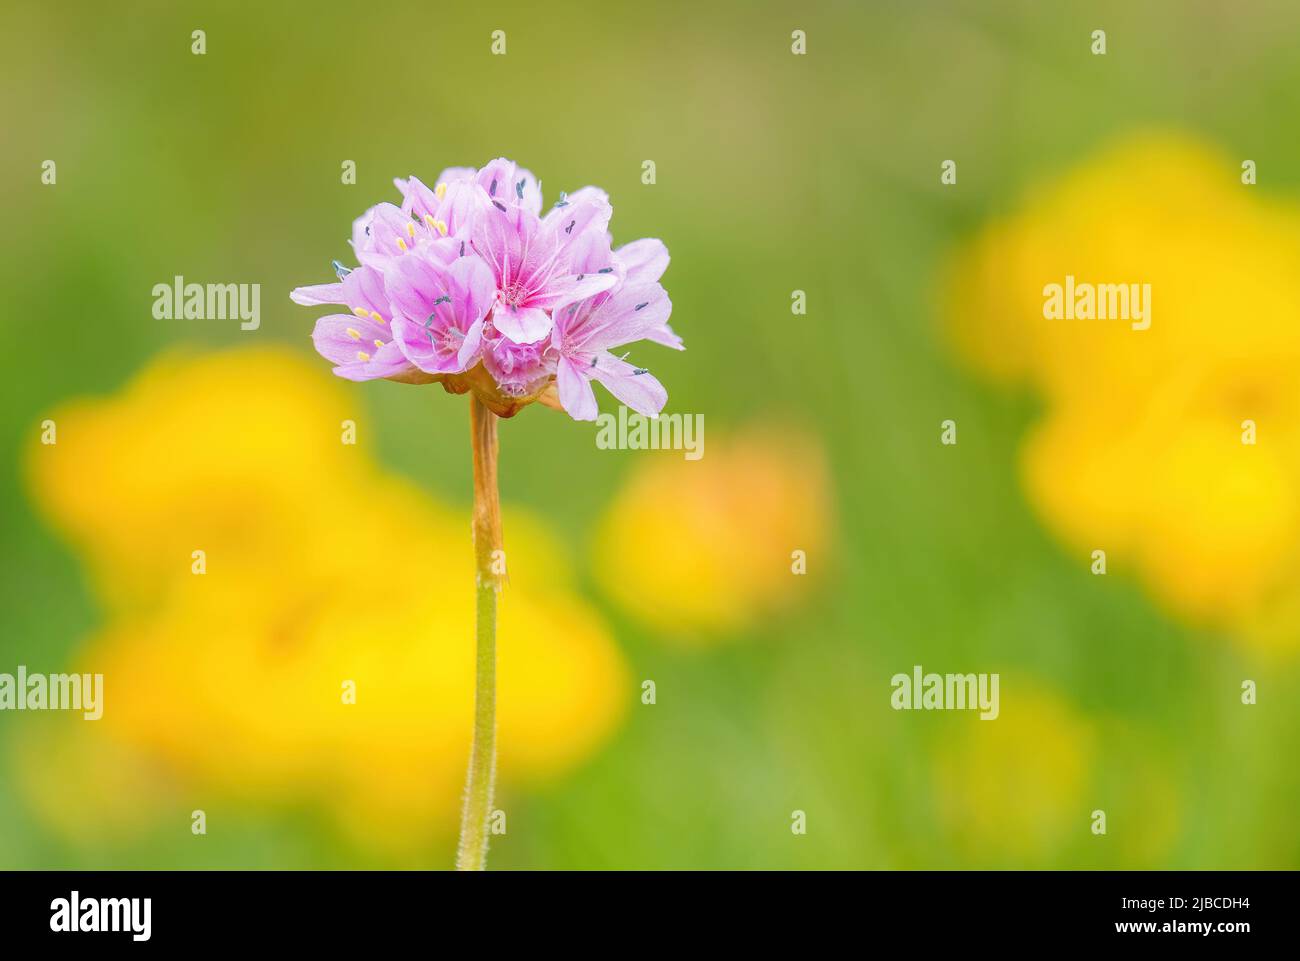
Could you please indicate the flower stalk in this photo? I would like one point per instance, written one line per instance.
(440, 294)
(472, 852)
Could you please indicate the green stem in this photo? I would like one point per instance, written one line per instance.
(472, 852)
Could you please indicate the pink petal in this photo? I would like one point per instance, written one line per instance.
(471, 347)
(576, 395)
(318, 294)
(335, 344)
(645, 260)
(573, 288)
(415, 283)
(454, 175)
(503, 236)
(666, 336)
(510, 184)
(587, 210)
(364, 288)
(418, 198)
(640, 391)
(627, 316)
(523, 325)
(473, 288)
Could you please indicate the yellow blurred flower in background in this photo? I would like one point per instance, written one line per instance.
(1014, 788)
(324, 574)
(1139, 450)
(697, 549)
(1021, 791)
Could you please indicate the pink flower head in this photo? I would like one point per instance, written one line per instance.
(468, 284)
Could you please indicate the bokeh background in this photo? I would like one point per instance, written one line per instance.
(775, 173)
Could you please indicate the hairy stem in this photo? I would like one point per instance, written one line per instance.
(472, 852)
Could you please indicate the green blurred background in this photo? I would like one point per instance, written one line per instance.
(774, 173)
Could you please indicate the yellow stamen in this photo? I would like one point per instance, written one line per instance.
(379, 343)
(440, 226)
(354, 333)
(362, 356)
(378, 319)
(440, 191)
(401, 243)
(360, 311)
(410, 230)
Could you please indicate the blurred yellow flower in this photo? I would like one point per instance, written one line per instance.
(1021, 791)
(1144, 446)
(1014, 788)
(697, 549)
(324, 575)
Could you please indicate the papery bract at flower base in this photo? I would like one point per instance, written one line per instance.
(478, 381)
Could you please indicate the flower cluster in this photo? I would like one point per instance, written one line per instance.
(469, 285)
(1145, 445)
(234, 460)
